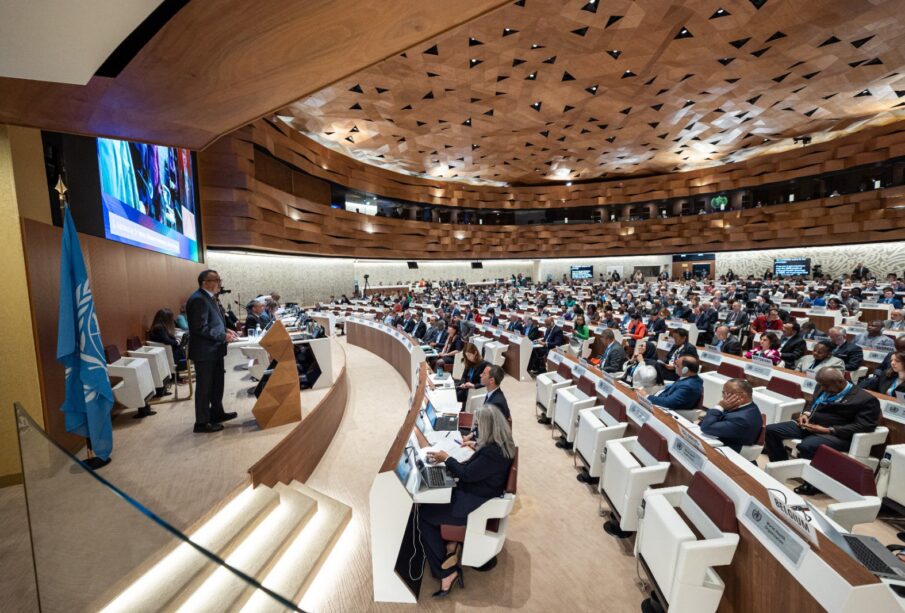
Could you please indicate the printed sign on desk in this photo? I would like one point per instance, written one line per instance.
(711, 357)
(638, 413)
(555, 357)
(688, 455)
(798, 520)
(808, 385)
(761, 372)
(604, 388)
(896, 410)
(578, 370)
(872, 355)
(773, 531)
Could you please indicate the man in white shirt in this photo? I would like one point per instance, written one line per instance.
(874, 338)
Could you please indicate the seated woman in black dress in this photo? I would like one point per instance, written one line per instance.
(471, 376)
(163, 330)
(481, 478)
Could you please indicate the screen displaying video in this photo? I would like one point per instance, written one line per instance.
(791, 267)
(582, 272)
(148, 196)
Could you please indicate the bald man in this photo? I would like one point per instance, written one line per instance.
(839, 411)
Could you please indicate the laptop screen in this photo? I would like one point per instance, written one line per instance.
(431, 414)
(404, 466)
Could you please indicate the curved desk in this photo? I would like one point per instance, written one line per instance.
(399, 349)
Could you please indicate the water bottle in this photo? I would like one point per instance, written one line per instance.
(439, 369)
(258, 331)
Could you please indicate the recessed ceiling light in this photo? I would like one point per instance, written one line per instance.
(568, 184)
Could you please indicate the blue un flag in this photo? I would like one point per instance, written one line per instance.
(89, 396)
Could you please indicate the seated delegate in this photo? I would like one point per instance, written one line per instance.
(890, 381)
(163, 330)
(821, 357)
(735, 420)
(686, 393)
(847, 351)
(839, 411)
(480, 478)
(471, 374)
(769, 344)
(666, 369)
(612, 359)
(726, 343)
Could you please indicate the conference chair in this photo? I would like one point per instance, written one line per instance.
(485, 532)
(715, 380)
(258, 360)
(752, 452)
(630, 466)
(597, 426)
(495, 351)
(474, 399)
(569, 401)
(859, 449)
(548, 382)
(891, 477)
(458, 365)
(779, 400)
(157, 360)
(840, 477)
(137, 385)
(684, 532)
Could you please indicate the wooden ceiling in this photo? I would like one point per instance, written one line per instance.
(541, 90)
(219, 64)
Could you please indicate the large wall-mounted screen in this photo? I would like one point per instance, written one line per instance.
(791, 267)
(582, 272)
(148, 196)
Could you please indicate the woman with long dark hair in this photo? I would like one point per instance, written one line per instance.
(163, 330)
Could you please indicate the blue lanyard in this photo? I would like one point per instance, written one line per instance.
(824, 399)
(892, 387)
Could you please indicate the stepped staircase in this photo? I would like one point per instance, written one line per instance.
(279, 535)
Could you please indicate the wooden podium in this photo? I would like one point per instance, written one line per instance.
(280, 403)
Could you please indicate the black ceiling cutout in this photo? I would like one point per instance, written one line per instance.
(654, 124)
(758, 3)
(857, 44)
(684, 33)
(357, 89)
(536, 105)
(474, 42)
(591, 6)
(566, 109)
(810, 75)
(738, 44)
(874, 62)
(545, 133)
(726, 61)
(509, 31)
(687, 104)
(863, 93)
(420, 123)
(730, 81)
(832, 40)
(517, 61)
(428, 96)
(613, 19)
(754, 99)
(626, 111)
(519, 3)
(407, 107)
(550, 60)
(567, 77)
(467, 122)
(856, 63)
(489, 113)
(662, 91)
(355, 107)
(720, 13)
(781, 78)
(474, 62)
(502, 77)
(811, 112)
(581, 31)
(591, 90)
(776, 35)
(531, 77)
(432, 51)
(657, 107)
(381, 90)
(614, 53)
(628, 73)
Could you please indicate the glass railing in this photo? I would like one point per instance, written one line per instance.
(95, 548)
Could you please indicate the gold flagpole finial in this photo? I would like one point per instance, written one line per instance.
(61, 190)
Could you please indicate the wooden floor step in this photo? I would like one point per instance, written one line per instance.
(184, 566)
(298, 566)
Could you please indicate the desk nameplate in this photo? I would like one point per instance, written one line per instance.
(604, 388)
(772, 530)
(690, 457)
(891, 408)
(638, 413)
(761, 372)
(711, 358)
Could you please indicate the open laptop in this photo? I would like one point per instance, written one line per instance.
(441, 423)
(867, 550)
(432, 477)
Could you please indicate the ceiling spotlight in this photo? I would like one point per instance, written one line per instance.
(568, 184)
(535, 46)
(536, 105)
(562, 172)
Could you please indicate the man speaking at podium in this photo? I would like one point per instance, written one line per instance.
(208, 337)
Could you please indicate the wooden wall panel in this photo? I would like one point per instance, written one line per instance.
(869, 145)
(219, 64)
(129, 285)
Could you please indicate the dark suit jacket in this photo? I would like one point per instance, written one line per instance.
(730, 345)
(409, 326)
(498, 399)
(737, 321)
(207, 327)
(706, 320)
(419, 330)
(735, 428)
(615, 358)
(554, 337)
(679, 350)
(879, 382)
(858, 412)
(794, 348)
(473, 375)
(251, 322)
(656, 328)
(851, 354)
(684, 394)
(514, 326)
(531, 331)
(481, 477)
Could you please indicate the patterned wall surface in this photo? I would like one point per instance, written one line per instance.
(558, 268)
(389, 273)
(880, 258)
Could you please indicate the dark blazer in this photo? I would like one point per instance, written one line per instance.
(858, 412)
(615, 358)
(730, 346)
(493, 321)
(739, 320)
(498, 399)
(252, 321)
(207, 327)
(409, 326)
(473, 375)
(879, 382)
(531, 331)
(851, 354)
(706, 320)
(514, 326)
(482, 477)
(554, 337)
(682, 312)
(442, 335)
(793, 349)
(679, 350)
(419, 330)
(684, 395)
(656, 328)
(734, 428)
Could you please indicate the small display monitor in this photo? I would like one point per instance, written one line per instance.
(582, 272)
(404, 466)
(431, 414)
(791, 267)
